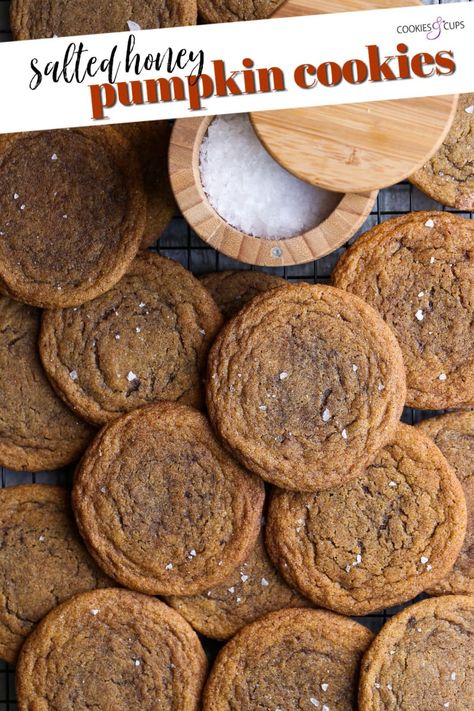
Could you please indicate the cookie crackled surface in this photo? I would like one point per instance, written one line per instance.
(305, 377)
(162, 507)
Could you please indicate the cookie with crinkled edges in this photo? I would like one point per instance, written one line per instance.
(72, 214)
(236, 10)
(378, 540)
(292, 659)
(30, 19)
(37, 431)
(454, 435)
(162, 507)
(422, 659)
(254, 589)
(111, 649)
(448, 177)
(143, 341)
(232, 289)
(417, 271)
(43, 560)
(305, 384)
(150, 140)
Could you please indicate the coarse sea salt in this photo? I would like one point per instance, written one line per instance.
(250, 190)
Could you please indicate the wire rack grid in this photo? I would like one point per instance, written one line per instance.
(179, 242)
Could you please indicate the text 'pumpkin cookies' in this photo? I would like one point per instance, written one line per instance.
(454, 435)
(31, 19)
(144, 340)
(37, 431)
(422, 659)
(305, 384)
(418, 272)
(42, 560)
(72, 214)
(377, 540)
(293, 659)
(111, 649)
(161, 505)
(254, 589)
(231, 290)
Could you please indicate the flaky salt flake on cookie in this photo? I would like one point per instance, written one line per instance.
(292, 659)
(422, 658)
(163, 508)
(285, 361)
(377, 540)
(390, 266)
(112, 649)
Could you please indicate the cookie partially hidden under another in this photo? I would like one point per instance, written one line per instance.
(72, 214)
(37, 431)
(418, 272)
(231, 290)
(454, 435)
(163, 508)
(422, 659)
(31, 19)
(378, 540)
(292, 659)
(145, 340)
(111, 649)
(448, 177)
(42, 560)
(236, 10)
(305, 384)
(254, 589)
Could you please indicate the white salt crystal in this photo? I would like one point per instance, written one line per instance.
(250, 190)
(133, 26)
(420, 315)
(469, 110)
(131, 376)
(442, 376)
(429, 223)
(326, 415)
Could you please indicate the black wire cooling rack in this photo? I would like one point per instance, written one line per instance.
(179, 242)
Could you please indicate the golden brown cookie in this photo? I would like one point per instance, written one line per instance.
(31, 19)
(378, 540)
(42, 560)
(418, 272)
(422, 659)
(254, 589)
(454, 435)
(161, 505)
(292, 659)
(448, 177)
(111, 649)
(37, 431)
(145, 340)
(305, 384)
(150, 139)
(236, 10)
(233, 289)
(72, 214)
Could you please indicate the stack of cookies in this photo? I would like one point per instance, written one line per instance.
(241, 470)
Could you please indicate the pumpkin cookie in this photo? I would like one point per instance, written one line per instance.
(236, 10)
(233, 289)
(144, 340)
(454, 435)
(111, 649)
(150, 139)
(72, 214)
(422, 659)
(42, 560)
(161, 505)
(50, 18)
(292, 659)
(37, 431)
(418, 272)
(254, 589)
(378, 540)
(302, 378)
(448, 177)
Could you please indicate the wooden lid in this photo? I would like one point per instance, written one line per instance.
(354, 147)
